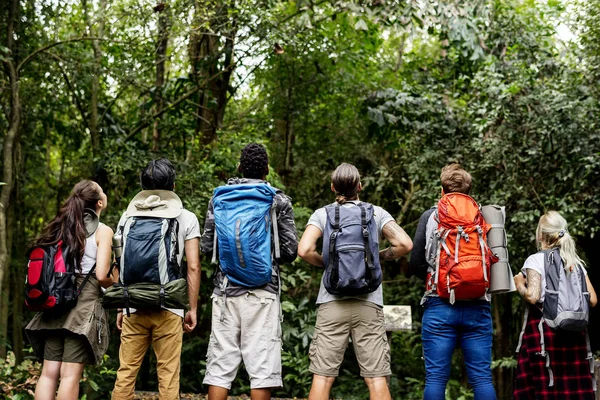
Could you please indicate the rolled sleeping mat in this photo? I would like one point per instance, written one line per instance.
(501, 279)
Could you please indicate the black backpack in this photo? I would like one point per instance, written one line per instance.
(150, 249)
(351, 250)
(50, 283)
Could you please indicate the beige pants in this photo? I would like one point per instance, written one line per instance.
(164, 331)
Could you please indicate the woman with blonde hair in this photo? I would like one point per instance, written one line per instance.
(553, 363)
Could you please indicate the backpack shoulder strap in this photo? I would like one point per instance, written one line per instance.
(334, 233)
(365, 234)
(85, 280)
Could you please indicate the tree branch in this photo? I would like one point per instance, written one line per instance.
(70, 86)
(28, 59)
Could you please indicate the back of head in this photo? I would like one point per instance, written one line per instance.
(455, 179)
(254, 162)
(69, 225)
(158, 175)
(552, 231)
(346, 182)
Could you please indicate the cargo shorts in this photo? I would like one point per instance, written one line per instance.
(245, 328)
(65, 346)
(339, 320)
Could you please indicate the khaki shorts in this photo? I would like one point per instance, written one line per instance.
(65, 346)
(245, 328)
(339, 320)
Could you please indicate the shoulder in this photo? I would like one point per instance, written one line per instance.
(428, 213)
(281, 199)
(535, 262)
(103, 233)
(187, 218)
(381, 215)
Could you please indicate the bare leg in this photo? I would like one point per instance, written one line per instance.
(217, 393)
(260, 394)
(46, 386)
(378, 388)
(321, 386)
(70, 374)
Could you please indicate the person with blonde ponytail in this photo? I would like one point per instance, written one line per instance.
(359, 316)
(557, 365)
(69, 340)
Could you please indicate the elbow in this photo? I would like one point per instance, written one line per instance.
(105, 282)
(303, 252)
(530, 299)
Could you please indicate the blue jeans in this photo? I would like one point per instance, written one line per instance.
(468, 324)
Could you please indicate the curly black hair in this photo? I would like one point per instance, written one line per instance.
(254, 162)
(158, 175)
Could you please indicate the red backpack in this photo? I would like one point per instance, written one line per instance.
(50, 283)
(462, 267)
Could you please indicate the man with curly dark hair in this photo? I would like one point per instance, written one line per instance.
(246, 312)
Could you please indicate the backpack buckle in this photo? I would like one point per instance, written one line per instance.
(365, 232)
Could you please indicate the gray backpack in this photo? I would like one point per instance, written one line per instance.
(566, 306)
(567, 301)
(351, 250)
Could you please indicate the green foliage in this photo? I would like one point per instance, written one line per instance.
(17, 381)
(396, 88)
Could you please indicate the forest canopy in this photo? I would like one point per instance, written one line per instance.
(96, 88)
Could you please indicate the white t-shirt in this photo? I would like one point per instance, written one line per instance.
(189, 228)
(90, 252)
(535, 262)
(319, 219)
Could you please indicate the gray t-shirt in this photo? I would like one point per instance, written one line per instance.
(319, 219)
(189, 228)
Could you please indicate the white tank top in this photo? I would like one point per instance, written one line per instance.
(90, 252)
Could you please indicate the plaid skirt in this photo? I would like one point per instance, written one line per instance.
(568, 361)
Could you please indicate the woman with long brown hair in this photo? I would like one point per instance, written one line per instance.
(70, 339)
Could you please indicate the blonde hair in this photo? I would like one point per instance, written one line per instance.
(552, 232)
(455, 179)
(346, 183)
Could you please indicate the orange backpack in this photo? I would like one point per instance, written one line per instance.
(462, 264)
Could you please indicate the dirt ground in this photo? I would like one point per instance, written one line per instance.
(154, 396)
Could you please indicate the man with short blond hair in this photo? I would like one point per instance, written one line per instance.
(446, 324)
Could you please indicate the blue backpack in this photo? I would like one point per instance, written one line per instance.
(351, 250)
(244, 214)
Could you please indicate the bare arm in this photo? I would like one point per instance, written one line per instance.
(529, 288)
(400, 242)
(192, 254)
(593, 297)
(307, 248)
(103, 256)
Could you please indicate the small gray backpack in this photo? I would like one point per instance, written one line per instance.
(567, 301)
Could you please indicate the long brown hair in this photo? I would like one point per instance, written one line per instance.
(68, 225)
(346, 182)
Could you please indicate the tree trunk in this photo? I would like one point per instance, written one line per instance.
(160, 60)
(8, 163)
(97, 72)
(205, 69)
(4, 311)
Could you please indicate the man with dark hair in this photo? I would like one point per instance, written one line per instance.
(160, 327)
(246, 310)
(446, 323)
